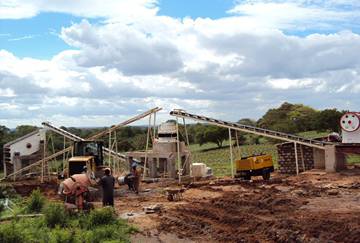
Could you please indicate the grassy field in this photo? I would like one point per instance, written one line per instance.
(353, 159)
(313, 134)
(219, 159)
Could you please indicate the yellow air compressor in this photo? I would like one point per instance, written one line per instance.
(256, 165)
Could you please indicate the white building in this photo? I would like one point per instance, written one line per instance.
(23, 151)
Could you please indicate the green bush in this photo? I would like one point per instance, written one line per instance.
(36, 202)
(11, 233)
(2, 208)
(107, 233)
(57, 226)
(101, 216)
(59, 235)
(33, 229)
(99, 234)
(55, 214)
(7, 191)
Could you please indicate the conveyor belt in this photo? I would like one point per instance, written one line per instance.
(113, 128)
(77, 138)
(254, 130)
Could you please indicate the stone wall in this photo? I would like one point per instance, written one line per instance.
(286, 158)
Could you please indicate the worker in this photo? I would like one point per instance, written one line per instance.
(129, 181)
(136, 177)
(75, 191)
(107, 182)
(88, 152)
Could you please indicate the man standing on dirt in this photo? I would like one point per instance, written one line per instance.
(136, 175)
(107, 182)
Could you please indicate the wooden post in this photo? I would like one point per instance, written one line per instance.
(231, 155)
(64, 158)
(54, 161)
(154, 126)
(67, 161)
(186, 133)
(116, 160)
(14, 167)
(302, 157)
(5, 169)
(109, 154)
(147, 145)
(237, 144)
(188, 145)
(43, 160)
(296, 158)
(178, 149)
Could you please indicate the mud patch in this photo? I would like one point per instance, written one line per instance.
(261, 214)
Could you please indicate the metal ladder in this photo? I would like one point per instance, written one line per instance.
(254, 130)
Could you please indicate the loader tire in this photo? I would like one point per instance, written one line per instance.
(266, 175)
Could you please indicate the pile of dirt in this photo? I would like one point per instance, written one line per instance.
(260, 214)
(24, 188)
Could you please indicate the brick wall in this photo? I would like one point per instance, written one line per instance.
(286, 158)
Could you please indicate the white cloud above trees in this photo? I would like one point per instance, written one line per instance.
(233, 67)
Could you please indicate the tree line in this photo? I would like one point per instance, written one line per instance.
(289, 118)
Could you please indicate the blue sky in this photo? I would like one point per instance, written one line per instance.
(200, 8)
(35, 37)
(38, 36)
(94, 62)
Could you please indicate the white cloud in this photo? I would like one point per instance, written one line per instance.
(17, 9)
(14, 9)
(230, 68)
(7, 106)
(123, 47)
(7, 92)
(25, 37)
(298, 15)
(284, 83)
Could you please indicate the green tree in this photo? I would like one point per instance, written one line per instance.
(246, 138)
(215, 134)
(328, 119)
(289, 118)
(211, 134)
(241, 137)
(303, 118)
(138, 142)
(23, 130)
(4, 138)
(277, 119)
(247, 121)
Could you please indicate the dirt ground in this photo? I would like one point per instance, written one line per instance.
(312, 207)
